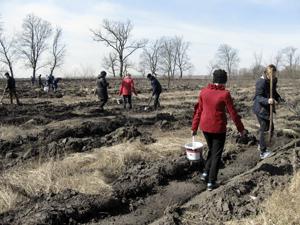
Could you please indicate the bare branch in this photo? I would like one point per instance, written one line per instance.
(7, 52)
(228, 58)
(58, 51)
(33, 40)
(117, 35)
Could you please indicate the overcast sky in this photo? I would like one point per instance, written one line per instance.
(247, 25)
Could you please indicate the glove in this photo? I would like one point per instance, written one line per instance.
(281, 100)
(194, 132)
(244, 133)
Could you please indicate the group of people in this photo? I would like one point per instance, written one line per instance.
(209, 112)
(210, 116)
(127, 88)
(51, 83)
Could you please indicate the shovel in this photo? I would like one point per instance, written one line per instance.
(271, 109)
(147, 107)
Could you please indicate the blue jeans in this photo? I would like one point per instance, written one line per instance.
(264, 127)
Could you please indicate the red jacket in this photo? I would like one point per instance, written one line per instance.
(210, 111)
(127, 86)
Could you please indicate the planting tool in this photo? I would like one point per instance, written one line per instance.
(147, 107)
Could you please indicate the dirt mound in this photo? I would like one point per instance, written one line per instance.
(143, 192)
(68, 207)
(141, 179)
(240, 196)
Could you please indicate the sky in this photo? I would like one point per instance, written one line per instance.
(261, 26)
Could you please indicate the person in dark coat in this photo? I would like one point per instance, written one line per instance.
(50, 80)
(261, 106)
(55, 83)
(41, 85)
(210, 114)
(11, 87)
(101, 89)
(156, 89)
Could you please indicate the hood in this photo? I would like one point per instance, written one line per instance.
(127, 78)
(216, 87)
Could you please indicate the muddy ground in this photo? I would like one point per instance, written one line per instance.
(162, 190)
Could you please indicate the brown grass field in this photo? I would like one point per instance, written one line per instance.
(65, 162)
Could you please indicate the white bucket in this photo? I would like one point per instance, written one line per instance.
(46, 89)
(194, 150)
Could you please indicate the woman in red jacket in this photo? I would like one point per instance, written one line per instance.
(210, 113)
(126, 89)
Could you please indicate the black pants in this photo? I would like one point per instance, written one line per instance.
(103, 101)
(215, 144)
(156, 100)
(264, 126)
(41, 85)
(127, 99)
(13, 92)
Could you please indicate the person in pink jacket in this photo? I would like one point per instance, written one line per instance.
(126, 89)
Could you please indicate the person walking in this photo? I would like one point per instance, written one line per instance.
(49, 81)
(41, 85)
(156, 90)
(261, 106)
(101, 89)
(11, 87)
(126, 90)
(210, 114)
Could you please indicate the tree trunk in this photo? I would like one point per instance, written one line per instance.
(121, 66)
(181, 73)
(169, 80)
(33, 74)
(113, 71)
(53, 67)
(11, 70)
(51, 71)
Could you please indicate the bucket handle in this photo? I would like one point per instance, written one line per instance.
(193, 141)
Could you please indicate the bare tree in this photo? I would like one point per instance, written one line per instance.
(169, 58)
(7, 52)
(151, 56)
(142, 68)
(33, 41)
(228, 58)
(212, 65)
(116, 35)
(278, 59)
(182, 59)
(291, 59)
(127, 65)
(58, 51)
(257, 67)
(110, 62)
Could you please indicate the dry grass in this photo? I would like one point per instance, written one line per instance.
(89, 173)
(282, 208)
(9, 132)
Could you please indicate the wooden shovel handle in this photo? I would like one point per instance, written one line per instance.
(271, 108)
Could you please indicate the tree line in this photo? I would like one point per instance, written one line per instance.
(39, 45)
